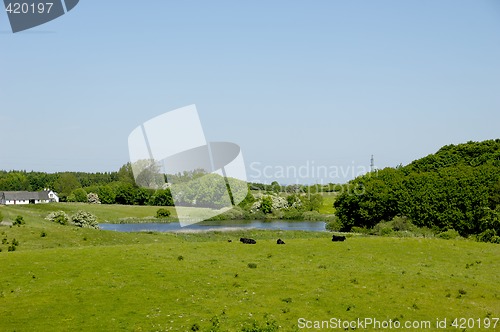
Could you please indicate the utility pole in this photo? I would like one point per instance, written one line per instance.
(372, 164)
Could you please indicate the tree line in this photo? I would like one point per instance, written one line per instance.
(457, 188)
(111, 187)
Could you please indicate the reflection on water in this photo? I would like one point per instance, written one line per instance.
(226, 225)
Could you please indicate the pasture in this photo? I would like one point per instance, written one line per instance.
(91, 280)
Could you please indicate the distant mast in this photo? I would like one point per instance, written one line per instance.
(372, 164)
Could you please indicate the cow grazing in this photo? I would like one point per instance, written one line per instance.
(280, 241)
(247, 241)
(336, 238)
(229, 240)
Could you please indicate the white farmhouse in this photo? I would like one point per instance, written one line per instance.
(28, 197)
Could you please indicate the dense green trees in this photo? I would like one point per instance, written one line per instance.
(112, 188)
(456, 188)
(312, 202)
(14, 181)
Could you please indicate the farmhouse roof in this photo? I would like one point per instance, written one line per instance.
(25, 195)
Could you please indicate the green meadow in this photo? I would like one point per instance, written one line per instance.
(62, 278)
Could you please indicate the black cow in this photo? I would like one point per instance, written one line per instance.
(336, 238)
(280, 241)
(247, 241)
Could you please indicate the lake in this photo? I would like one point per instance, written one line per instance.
(226, 225)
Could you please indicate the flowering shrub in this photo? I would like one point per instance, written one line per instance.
(59, 217)
(85, 220)
(269, 203)
(93, 198)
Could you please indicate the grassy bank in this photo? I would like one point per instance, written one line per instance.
(91, 280)
(114, 213)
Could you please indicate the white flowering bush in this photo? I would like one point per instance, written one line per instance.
(85, 220)
(265, 203)
(93, 198)
(294, 201)
(59, 217)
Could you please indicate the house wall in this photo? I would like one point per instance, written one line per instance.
(53, 197)
(8, 202)
(23, 202)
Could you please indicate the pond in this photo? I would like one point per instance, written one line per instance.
(226, 225)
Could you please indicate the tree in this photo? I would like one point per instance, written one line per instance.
(126, 175)
(208, 191)
(14, 181)
(148, 174)
(125, 194)
(106, 194)
(161, 197)
(78, 195)
(275, 187)
(66, 183)
(495, 196)
(142, 196)
(266, 205)
(313, 203)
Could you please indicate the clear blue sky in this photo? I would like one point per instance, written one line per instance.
(292, 82)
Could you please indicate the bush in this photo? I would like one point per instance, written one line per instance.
(334, 225)
(382, 228)
(398, 226)
(59, 217)
(361, 230)
(495, 239)
(162, 213)
(450, 234)
(19, 221)
(402, 224)
(312, 216)
(269, 325)
(266, 205)
(85, 220)
(293, 214)
(252, 265)
(489, 235)
(78, 195)
(93, 198)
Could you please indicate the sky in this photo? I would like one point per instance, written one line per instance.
(303, 87)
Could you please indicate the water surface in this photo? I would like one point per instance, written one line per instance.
(226, 225)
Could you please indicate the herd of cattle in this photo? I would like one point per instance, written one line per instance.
(244, 240)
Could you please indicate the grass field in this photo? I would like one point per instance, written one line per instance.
(104, 212)
(328, 199)
(91, 280)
